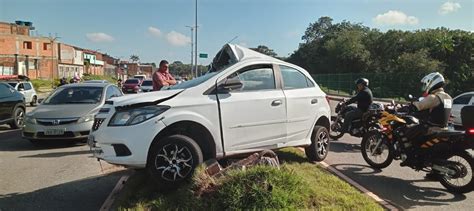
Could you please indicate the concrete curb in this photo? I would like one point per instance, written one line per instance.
(386, 205)
(107, 205)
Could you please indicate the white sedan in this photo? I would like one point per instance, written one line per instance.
(458, 103)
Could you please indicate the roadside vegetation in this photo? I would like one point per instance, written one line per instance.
(298, 184)
(393, 60)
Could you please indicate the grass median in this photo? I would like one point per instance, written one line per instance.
(298, 184)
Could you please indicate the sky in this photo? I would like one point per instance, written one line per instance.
(156, 29)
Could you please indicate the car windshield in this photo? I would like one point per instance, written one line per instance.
(131, 81)
(75, 95)
(147, 83)
(194, 82)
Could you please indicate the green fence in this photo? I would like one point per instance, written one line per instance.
(390, 85)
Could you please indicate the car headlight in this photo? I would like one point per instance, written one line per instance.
(136, 115)
(30, 119)
(86, 118)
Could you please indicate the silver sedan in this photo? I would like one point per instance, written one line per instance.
(68, 112)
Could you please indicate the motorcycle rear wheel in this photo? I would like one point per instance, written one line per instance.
(335, 130)
(456, 185)
(373, 154)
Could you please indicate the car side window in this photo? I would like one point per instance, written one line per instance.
(117, 92)
(294, 79)
(27, 86)
(109, 93)
(20, 86)
(253, 78)
(463, 100)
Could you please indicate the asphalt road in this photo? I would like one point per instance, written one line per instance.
(401, 186)
(56, 176)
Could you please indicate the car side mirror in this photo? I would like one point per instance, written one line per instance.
(40, 100)
(229, 85)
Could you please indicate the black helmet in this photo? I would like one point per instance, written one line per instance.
(363, 81)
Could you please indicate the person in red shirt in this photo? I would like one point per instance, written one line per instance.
(162, 76)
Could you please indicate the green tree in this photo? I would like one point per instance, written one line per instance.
(265, 50)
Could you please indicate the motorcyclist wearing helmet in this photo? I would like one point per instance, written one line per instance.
(437, 104)
(363, 98)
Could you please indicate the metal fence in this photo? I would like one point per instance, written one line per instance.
(383, 85)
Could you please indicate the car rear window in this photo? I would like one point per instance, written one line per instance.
(147, 83)
(131, 81)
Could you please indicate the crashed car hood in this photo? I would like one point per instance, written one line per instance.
(64, 110)
(148, 97)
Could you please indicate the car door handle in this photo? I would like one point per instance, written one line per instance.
(276, 103)
(314, 101)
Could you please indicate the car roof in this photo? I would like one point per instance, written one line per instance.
(96, 81)
(465, 93)
(87, 85)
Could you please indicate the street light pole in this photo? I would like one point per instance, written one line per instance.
(196, 36)
(192, 47)
(51, 40)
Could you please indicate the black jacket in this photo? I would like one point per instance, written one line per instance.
(363, 98)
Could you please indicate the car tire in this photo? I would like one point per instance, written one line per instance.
(319, 148)
(18, 117)
(34, 101)
(173, 159)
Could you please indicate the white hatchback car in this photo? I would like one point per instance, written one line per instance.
(27, 89)
(247, 102)
(459, 102)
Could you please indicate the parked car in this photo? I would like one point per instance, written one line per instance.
(131, 85)
(247, 102)
(26, 88)
(141, 77)
(147, 86)
(459, 102)
(68, 112)
(12, 106)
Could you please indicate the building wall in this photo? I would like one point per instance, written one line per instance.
(31, 56)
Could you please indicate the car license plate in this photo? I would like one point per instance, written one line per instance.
(54, 132)
(129, 90)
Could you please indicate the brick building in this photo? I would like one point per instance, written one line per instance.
(71, 60)
(20, 53)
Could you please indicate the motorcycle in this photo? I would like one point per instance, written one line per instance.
(444, 154)
(358, 127)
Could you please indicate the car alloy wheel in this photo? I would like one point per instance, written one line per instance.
(174, 162)
(172, 159)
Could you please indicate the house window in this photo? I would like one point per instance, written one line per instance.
(46, 46)
(27, 45)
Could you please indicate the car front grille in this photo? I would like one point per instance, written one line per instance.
(97, 123)
(58, 121)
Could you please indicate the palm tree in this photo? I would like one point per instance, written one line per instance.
(134, 58)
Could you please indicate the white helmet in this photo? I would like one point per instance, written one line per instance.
(432, 81)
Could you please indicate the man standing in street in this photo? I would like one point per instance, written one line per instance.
(162, 76)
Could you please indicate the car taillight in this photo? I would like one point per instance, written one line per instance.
(470, 131)
(327, 98)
